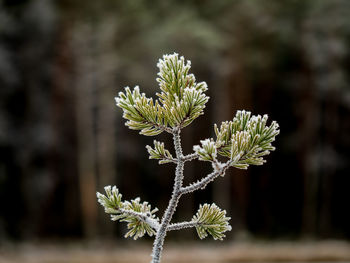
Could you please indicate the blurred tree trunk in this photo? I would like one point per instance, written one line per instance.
(309, 116)
(323, 52)
(329, 161)
(334, 81)
(84, 48)
(96, 130)
(308, 111)
(106, 62)
(63, 150)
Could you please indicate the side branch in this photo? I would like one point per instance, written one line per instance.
(219, 169)
(141, 216)
(190, 157)
(182, 225)
(157, 125)
(163, 128)
(168, 160)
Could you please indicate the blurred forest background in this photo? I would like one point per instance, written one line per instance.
(62, 138)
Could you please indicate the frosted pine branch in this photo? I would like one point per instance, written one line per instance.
(243, 141)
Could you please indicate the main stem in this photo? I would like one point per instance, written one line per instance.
(168, 214)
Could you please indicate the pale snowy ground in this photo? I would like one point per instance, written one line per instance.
(219, 252)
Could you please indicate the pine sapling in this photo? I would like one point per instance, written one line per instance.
(241, 142)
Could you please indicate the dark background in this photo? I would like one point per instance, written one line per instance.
(62, 138)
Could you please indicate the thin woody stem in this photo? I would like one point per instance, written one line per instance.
(182, 225)
(172, 160)
(190, 157)
(201, 184)
(168, 214)
(142, 216)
